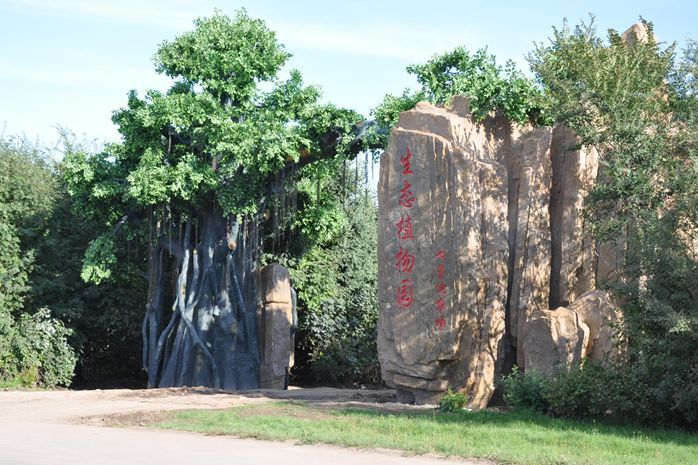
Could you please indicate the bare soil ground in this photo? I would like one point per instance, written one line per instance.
(81, 406)
(68, 427)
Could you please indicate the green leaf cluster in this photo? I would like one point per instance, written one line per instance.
(452, 402)
(488, 86)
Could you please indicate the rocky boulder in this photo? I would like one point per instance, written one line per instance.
(602, 317)
(443, 255)
(554, 341)
(481, 231)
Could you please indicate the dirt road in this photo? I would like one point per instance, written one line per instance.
(63, 428)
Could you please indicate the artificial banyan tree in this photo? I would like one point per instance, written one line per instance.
(206, 175)
(199, 327)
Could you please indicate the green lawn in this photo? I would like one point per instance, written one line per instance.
(508, 438)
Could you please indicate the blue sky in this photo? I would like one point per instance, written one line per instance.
(72, 62)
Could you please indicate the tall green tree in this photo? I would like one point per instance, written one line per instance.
(198, 168)
(629, 99)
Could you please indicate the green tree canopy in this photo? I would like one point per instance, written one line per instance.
(196, 171)
(488, 86)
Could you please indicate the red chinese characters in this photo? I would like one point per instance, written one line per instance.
(406, 196)
(440, 323)
(404, 293)
(404, 259)
(405, 162)
(440, 305)
(404, 228)
(441, 290)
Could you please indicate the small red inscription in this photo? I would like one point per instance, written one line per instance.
(406, 196)
(405, 162)
(404, 293)
(440, 305)
(440, 322)
(404, 260)
(404, 228)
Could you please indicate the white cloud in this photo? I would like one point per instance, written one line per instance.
(405, 43)
(149, 13)
(388, 40)
(93, 76)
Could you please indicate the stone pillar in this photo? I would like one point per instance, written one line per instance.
(442, 257)
(276, 323)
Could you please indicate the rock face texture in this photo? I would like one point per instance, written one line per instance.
(276, 321)
(573, 262)
(555, 340)
(443, 254)
(558, 339)
(480, 231)
(597, 311)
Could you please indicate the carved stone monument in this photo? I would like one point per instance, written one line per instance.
(480, 230)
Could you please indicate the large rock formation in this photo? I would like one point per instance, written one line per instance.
(556, 340)
(443, 256)
(480, 229)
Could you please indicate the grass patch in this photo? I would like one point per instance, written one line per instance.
(507, 438)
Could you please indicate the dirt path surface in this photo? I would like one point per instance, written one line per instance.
(63, 428)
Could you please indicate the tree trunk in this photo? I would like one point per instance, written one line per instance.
(200, 324)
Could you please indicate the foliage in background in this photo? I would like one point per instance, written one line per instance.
(33, 345)
(488, 86)
(638, 108)
(105, 318)
(335, 276)
(50, 321)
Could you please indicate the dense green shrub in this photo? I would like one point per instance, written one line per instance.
(604, 392)
(526, 391)
(41, 349)
(453, 402)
